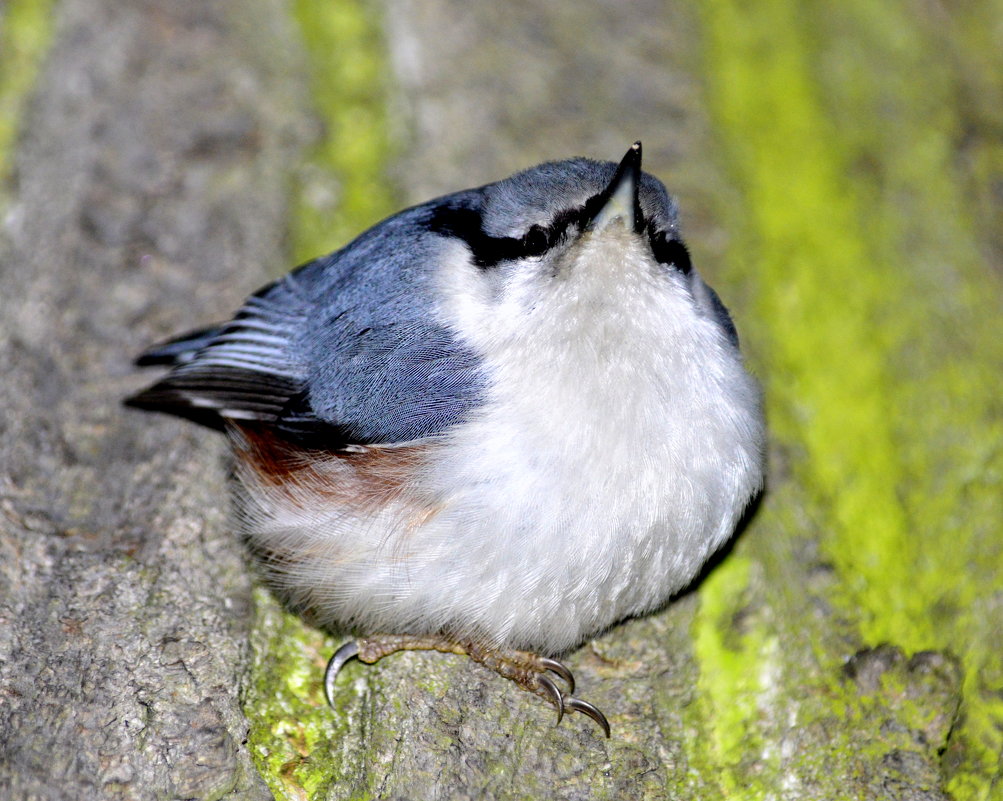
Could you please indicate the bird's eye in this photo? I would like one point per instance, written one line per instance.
(535, 241)
(670, 251)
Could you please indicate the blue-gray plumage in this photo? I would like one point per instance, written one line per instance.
(503, 419)
(341, 350)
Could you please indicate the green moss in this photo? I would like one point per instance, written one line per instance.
(25, 33)
(728, 639)
(295, 738)
(343, 187)
(877, 310)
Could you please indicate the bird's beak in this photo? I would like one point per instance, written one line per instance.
(620, 196)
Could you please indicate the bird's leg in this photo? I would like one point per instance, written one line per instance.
(528, 670)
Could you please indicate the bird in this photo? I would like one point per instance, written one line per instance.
(496, 424)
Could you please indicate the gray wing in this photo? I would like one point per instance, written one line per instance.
(343, 350)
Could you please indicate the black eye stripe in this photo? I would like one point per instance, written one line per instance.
(670, 251)
(488, 251)
(465, 224)
(567, 218)
(537, 240)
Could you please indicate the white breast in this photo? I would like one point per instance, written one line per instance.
(620, 445)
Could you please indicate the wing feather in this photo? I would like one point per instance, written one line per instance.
(343, 350)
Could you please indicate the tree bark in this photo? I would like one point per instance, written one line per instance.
(832, 652)
(148, 192)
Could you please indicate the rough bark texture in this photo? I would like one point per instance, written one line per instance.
(148, 191)
(840, 189)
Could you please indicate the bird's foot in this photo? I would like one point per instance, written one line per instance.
(530, 671)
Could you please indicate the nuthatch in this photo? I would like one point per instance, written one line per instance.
(495, 424)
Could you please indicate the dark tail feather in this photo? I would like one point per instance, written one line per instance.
(180, 349)
(205, 417)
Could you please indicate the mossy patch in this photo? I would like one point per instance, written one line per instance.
(875, 321)
(729, 636)
(342, 185)
(294, 735)
(25, 33)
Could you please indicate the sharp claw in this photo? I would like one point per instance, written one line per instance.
(556, 667)
(563, 701)
(578, 705)
(555, 696)
(348, 651)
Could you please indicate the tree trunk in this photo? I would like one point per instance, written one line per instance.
(148, 192)
(837, 187)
